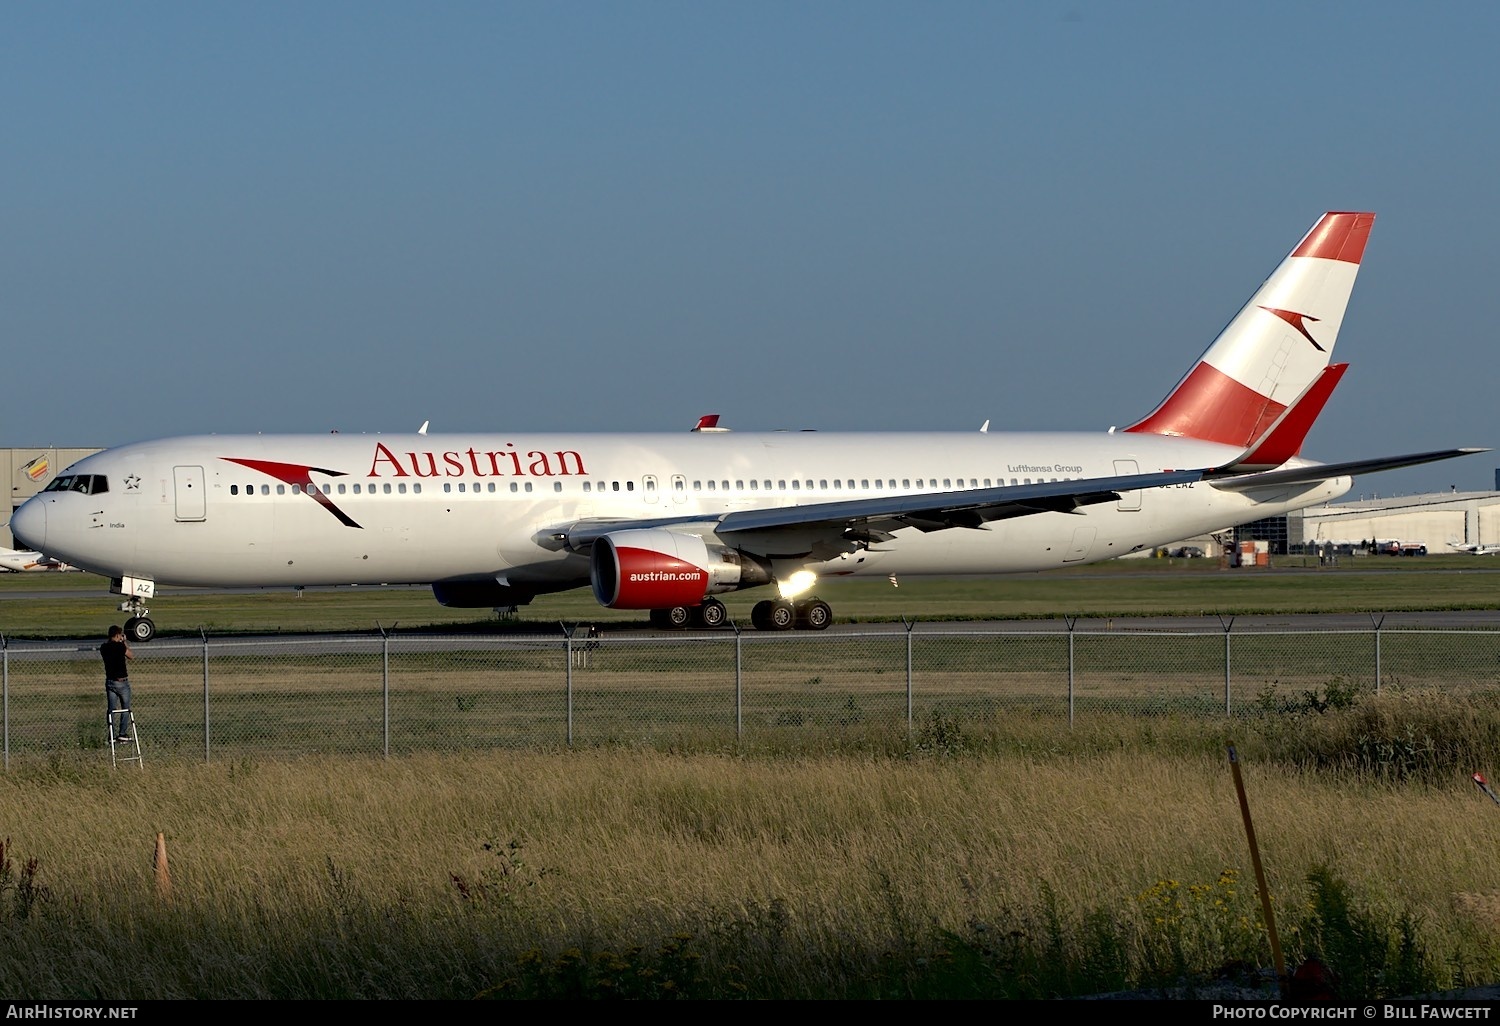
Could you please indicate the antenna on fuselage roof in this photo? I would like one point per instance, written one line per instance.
(984, 428)
(423, 429)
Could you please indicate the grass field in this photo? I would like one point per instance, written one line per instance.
(1027, 864)
(77, 605)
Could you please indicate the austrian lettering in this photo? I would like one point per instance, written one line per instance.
(507, 462)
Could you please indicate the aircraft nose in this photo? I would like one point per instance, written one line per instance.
(28, 525)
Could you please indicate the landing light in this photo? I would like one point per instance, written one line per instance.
(795, 585)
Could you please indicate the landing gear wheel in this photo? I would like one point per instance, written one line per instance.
(140, 629)
(712, 614)
(782, 617)
(760, 615)
(679, 617)
(659, 619)
(814, 615)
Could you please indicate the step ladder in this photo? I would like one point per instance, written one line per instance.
(121, 751)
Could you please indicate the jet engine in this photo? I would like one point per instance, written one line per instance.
(659, 569)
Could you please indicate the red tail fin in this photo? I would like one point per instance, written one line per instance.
(1276, 348)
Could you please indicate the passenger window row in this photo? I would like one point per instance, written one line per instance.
(95, 484)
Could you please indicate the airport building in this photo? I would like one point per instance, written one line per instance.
(1437, 523)
(30, 470)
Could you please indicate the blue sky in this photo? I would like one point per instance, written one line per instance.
(846, 216)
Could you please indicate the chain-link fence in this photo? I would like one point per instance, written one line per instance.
(385, 694)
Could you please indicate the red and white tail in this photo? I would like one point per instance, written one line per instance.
(1275, 350)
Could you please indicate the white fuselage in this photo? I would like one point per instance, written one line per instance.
(237, 510)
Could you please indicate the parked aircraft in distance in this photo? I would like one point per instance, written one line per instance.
(16, 561)
(667, 522)
(1472, 548)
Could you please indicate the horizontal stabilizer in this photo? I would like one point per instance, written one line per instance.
(1324, 471)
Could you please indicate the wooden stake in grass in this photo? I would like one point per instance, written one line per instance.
(163, 874)
(1260, 875)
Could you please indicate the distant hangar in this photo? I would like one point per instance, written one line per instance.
(1433, 520)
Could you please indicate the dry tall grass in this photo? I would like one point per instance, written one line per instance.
(653, 874)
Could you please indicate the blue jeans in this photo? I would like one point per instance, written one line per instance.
(117, 696)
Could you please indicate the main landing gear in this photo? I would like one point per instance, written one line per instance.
(710, 615)
(782, 615)
(768, 615)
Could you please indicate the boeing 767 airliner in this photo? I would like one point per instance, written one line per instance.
(667, 522)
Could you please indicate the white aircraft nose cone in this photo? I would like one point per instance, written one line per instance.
(28, 525)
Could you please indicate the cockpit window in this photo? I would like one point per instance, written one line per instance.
(88, 484)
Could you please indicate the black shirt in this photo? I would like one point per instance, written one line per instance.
(114, 660)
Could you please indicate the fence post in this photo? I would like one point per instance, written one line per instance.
(739, 686)
(1228, 625)
(5, 694)
(568, 645)
(1377, 624)
(909, 627)
(385, 690)
(1071, 622)
(207, 752)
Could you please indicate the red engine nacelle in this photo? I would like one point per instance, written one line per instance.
(659, 569)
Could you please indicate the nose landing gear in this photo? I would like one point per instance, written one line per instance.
(136, 590)
(140, 627)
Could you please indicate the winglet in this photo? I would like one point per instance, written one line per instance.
(708, 422)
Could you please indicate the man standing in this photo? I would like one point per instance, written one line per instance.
(117, 682)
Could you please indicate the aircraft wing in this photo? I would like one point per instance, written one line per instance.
(926, 511)
(1324, 471)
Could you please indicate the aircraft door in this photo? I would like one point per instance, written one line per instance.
(190, 498)
(648, 488)
(679, 488)
(1078, 548)
(1128, 500)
